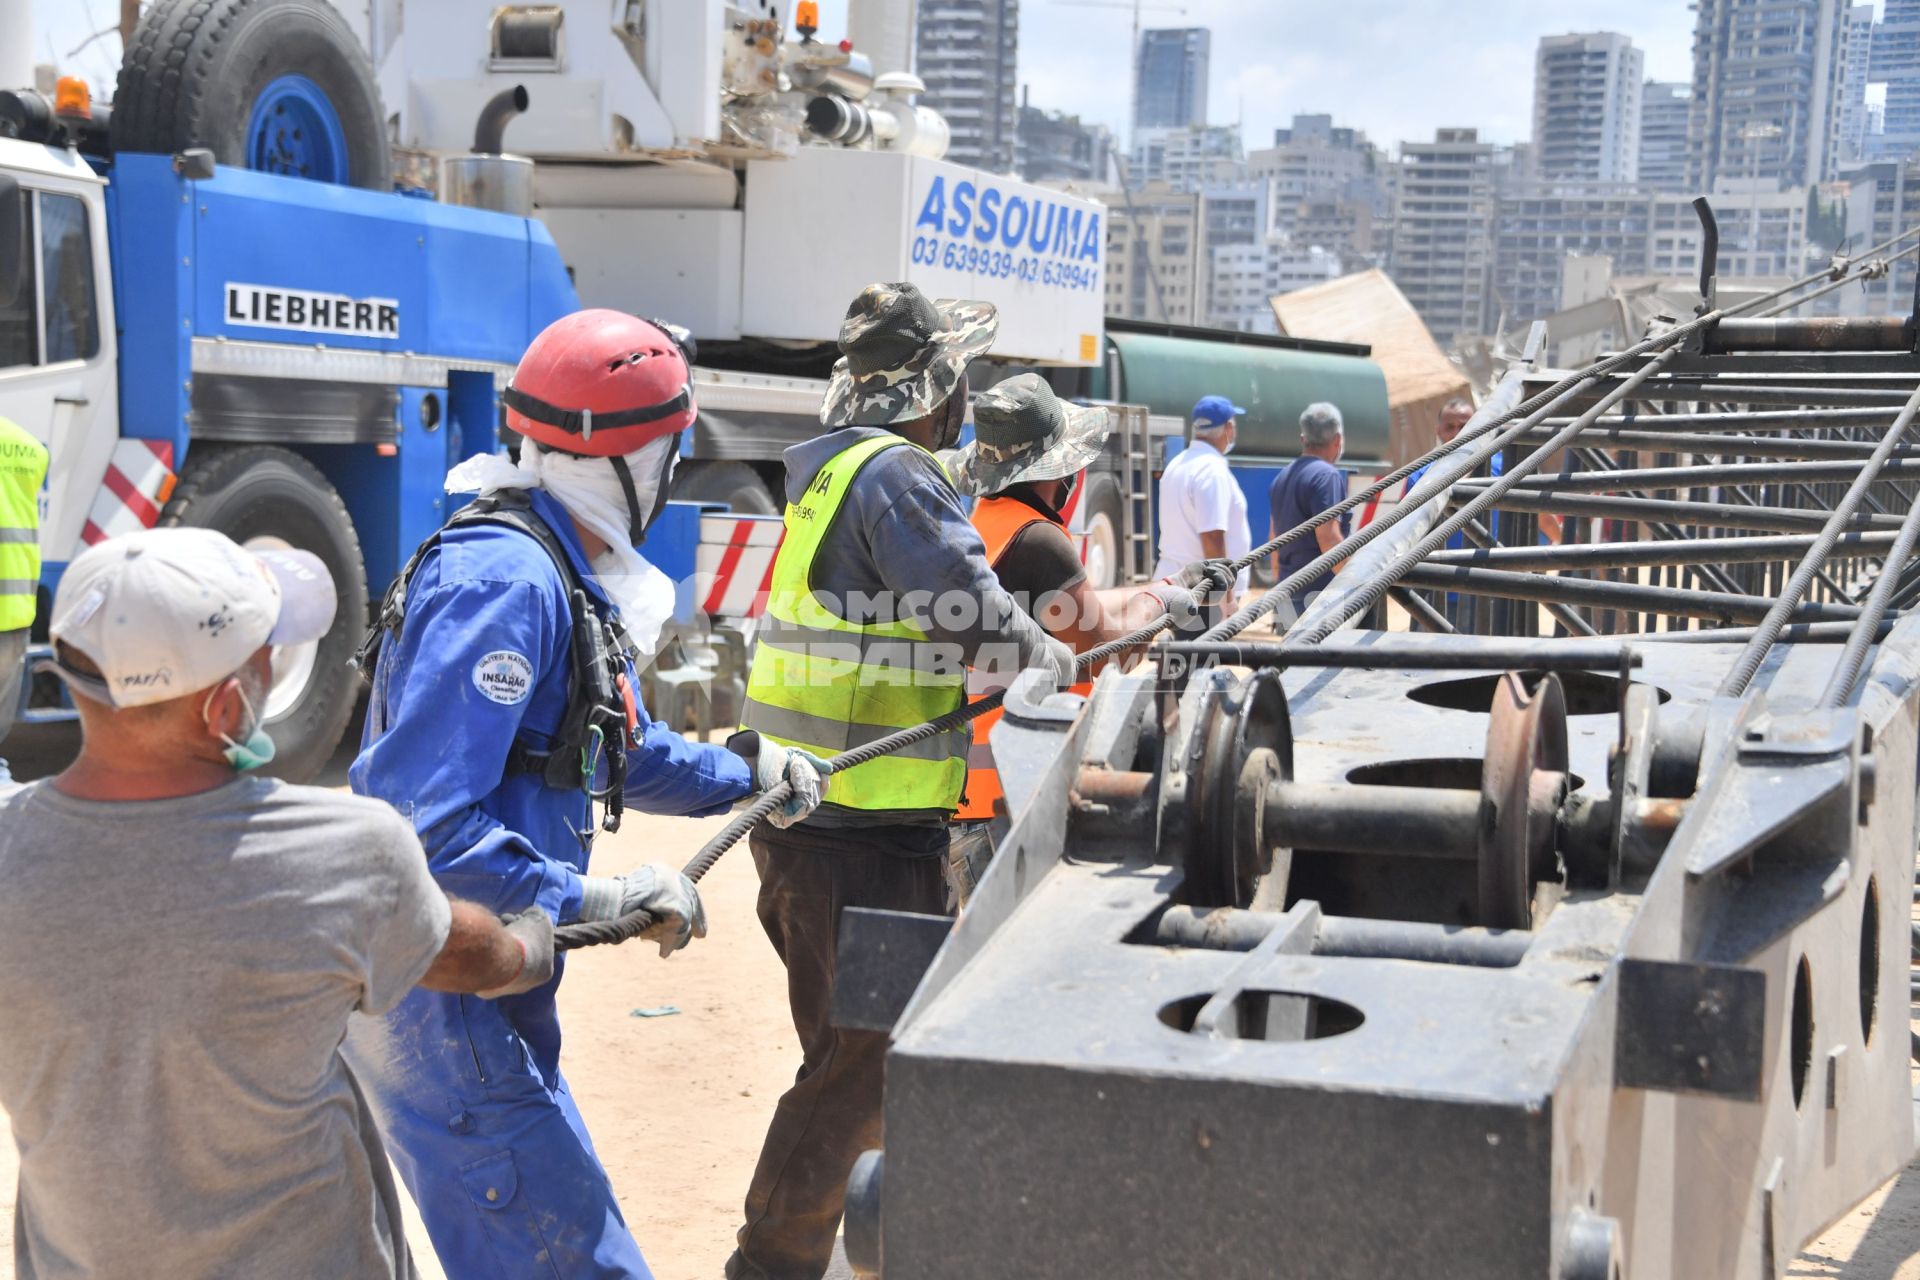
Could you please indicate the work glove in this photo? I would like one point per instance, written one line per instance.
(533, 930)
(806, 772)
(1057, 660)
(665, 894)
(1179, 602)
(1216, 575)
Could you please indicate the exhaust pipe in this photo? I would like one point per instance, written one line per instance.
(495, 117)
(489, 179)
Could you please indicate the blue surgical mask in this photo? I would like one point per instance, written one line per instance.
(257, 750)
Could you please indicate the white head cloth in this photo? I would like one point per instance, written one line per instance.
(590, 491)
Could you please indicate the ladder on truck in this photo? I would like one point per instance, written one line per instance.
(1137, 552)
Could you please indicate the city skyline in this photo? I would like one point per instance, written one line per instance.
(1368, 67)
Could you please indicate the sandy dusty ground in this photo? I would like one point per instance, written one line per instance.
(678, 1104)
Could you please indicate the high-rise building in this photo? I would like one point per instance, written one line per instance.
(1586, 108)
(1170, 80)
(1664, 106)
(1317, 160)
(1853, 98)
(1056, 147)
(1896, 207)
(1187, 159)
(1768, 77)
(1537, 226)
(1896, 63)
(1156, 261)
(965, 52)
(1346, 228)
(1247, 276)
(1442, 251)
(1240, 212)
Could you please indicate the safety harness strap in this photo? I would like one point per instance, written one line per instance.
(594, 723)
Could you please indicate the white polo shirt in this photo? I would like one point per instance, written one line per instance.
(1198, 494)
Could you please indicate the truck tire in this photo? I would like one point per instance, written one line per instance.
(262, 497)
(280, 86)
(734, 483)
(1106, 525)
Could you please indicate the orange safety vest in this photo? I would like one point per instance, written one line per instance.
(998, 521)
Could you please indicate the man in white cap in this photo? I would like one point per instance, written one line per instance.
(181, 943)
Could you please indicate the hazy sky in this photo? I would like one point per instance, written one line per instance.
(1396, 68)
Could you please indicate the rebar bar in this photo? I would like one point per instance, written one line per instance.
(1748, 664)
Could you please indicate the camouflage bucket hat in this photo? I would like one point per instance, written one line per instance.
(902, 355)
(1022, 431)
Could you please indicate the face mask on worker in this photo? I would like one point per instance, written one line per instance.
(256, 750)
(646, 492)
(615, 510)
(617, 498)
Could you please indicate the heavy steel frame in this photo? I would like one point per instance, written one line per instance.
(1507, 954)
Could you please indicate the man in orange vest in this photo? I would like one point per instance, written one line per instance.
(1027, 455)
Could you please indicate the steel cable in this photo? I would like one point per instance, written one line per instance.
(601, 932)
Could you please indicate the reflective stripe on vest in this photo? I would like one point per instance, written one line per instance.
(827, 685)
(998, 521)
(23, 466)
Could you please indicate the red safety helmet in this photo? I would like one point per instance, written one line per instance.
(601, 383)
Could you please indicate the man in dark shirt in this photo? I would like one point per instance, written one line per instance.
(1309, 485)
(1028, 454)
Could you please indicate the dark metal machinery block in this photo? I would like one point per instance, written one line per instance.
(1100, 1075)
(1490, 956)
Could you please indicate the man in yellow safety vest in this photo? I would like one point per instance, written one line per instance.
(881, 598)
(23, 466)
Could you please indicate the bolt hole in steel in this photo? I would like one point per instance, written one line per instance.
(1869, 959)
(1587, 693)
(1800, 1046)
(1441, 773)
(1276, 1017)
(292, 664)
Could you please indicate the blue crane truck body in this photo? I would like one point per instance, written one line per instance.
(283, 282)
(286, 360)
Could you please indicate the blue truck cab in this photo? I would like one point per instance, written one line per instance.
(285, 360)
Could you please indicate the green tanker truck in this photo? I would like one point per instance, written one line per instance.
(1166, 368)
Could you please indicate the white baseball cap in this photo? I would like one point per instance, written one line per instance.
(168, 612)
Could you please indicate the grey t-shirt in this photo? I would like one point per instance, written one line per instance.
(175, 981)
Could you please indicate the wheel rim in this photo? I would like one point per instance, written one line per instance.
(293, 664)
(1102, 551)
(294, 130)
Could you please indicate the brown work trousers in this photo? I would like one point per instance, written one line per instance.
(832, 1112)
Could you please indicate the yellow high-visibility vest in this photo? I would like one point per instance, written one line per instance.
(23, 466)
(824, 684)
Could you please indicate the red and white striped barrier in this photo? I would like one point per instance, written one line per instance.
(733, 565)
(138, 482)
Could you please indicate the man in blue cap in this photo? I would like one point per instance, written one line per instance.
(1203, 513)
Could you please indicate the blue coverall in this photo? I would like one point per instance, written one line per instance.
(469, 1092)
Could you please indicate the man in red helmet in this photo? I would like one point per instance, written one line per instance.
(503, 713)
